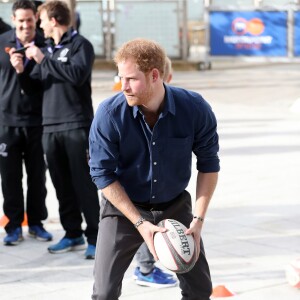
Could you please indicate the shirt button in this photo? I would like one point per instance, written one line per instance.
(155, 163)
(153, 197)
(153, 143)
(155, 180)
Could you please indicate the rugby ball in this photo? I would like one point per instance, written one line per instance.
(175, 249)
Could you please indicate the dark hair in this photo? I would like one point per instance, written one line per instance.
(4, 26)
(24, 4)
(57, 10)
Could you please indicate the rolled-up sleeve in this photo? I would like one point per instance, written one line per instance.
(206, 143)
(103, 147)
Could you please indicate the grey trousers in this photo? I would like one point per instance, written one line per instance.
(118, 240)
(145, 260)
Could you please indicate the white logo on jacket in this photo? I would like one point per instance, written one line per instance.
(62, 55)
(2, 150)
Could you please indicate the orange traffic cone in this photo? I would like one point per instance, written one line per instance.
(118, 85)
(25, 221)
(4, 220)
(220, 291)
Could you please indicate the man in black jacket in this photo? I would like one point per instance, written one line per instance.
(65, 73)
(21, 131)
(4, 26)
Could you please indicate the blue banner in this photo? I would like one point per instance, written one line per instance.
(257, 33)
(297, 33)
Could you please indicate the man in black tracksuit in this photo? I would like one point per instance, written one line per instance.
(65, 73)
(4, 26)
(21, 132)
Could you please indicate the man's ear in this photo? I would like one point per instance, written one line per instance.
(13, 19)
(53, 22)
(155, 74)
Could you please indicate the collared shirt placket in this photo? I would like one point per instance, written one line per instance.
(152, 140)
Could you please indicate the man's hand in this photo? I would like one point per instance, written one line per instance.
(195, 230)
(16, 60)
(33, 52)
(147, 231)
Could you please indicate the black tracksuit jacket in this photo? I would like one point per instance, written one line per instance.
(65, 74)
(16, 108)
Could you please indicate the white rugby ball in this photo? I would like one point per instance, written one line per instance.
(175, 249)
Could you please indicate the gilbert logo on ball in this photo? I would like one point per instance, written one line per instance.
(175, 249)
(292, 272)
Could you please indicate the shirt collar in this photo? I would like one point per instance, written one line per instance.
(12, 38)
(169, 105)
(66, 38)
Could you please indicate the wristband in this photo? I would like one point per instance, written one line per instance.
(199, 218)
(139, 222)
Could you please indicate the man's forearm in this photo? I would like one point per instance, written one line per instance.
(116, 194)
(206, 185)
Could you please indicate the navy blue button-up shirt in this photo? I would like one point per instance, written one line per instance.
(153, 165)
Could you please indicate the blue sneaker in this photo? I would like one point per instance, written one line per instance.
(67, 244)
(136, 272)
(14, 237)
(157, 279)
(90, 252)
(38, 232)
(156, 270)
(160, 272)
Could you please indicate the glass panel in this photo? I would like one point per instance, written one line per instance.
(5, 12)
(91, 24)
(230, 3)
(195, 9)
(157, 21)
(277, 2)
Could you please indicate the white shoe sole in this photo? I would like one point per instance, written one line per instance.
(38, 238)
(155, 285)
(73, 248)
(14, 243)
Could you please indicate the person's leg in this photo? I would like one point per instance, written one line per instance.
(195, 284)
(11, 148)
(145, 260)
(117, 242)
(36, 176)
(69, 211)
(147, 273)
(86, 191)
